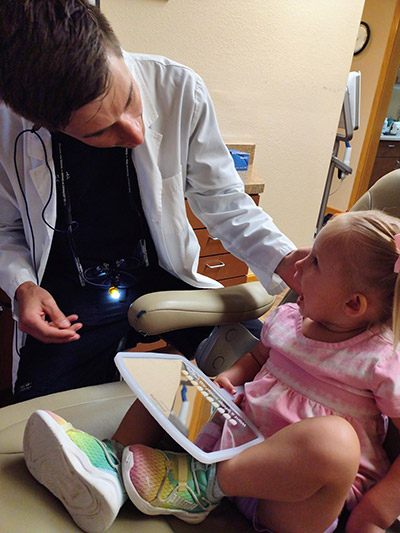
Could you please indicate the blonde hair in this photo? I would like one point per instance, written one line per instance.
(368, 250)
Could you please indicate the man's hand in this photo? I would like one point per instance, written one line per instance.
(35, 304)
(286, 269)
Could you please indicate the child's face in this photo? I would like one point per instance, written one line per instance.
(323, 290)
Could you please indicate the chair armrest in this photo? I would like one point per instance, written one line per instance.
(159, 312)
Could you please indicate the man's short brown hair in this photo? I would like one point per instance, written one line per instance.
(53, 58)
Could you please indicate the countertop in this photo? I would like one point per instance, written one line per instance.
(253, 183)
(390, 137)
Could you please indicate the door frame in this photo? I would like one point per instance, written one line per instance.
(380, 104)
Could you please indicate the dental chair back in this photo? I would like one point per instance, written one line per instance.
(383, 195)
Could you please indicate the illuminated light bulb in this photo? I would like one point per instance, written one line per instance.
(114, 292)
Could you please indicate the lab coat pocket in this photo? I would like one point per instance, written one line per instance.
(173, 205)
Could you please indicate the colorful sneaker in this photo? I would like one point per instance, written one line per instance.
(80, 470)
(160, 482)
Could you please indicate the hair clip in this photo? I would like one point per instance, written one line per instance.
(397, 263)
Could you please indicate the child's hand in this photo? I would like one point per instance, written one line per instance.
(360, 523)
(238, 399)
(243, 370)
(224, 382)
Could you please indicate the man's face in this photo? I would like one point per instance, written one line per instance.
(115, 118)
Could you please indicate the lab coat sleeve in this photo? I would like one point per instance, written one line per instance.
(216, 195)
(15, 258)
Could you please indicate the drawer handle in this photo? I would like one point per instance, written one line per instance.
(213, 238)
(216, 266)
(391, 146)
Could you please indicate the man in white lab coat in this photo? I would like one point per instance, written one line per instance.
(98, 151)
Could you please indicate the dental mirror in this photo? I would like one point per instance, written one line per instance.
(197, 414)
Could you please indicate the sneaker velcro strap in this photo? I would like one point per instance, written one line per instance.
(182, 473)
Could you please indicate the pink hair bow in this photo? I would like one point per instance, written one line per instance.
(397, 263)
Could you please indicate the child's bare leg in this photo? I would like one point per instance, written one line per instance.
(138, 427)
(302, 473)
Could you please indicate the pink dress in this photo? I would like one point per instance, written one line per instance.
(357, 379)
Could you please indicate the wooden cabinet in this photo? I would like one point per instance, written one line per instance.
(216, 262)
(387, 159)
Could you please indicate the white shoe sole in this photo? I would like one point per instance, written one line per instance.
(93, 498)
(146, 507)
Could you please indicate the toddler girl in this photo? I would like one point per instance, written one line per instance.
(320, 385)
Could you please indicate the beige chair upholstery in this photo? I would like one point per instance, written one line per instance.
(383, 195)
(159, 312)
(26, 506)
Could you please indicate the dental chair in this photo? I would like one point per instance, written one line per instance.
(26, 505)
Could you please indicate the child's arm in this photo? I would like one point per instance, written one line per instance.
(244, 369)
(380, 506)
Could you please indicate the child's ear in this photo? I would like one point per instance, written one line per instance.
(357, 305)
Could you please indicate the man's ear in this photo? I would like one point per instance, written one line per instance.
(357, 305)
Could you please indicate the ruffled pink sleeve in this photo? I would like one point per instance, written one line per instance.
(386, 383)
(264, 337)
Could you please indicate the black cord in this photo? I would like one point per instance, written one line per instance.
(112, 273)
(32, 130)
(71, 227)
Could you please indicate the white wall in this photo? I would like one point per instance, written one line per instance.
(276, 70)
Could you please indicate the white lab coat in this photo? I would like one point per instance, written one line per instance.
(183, 155)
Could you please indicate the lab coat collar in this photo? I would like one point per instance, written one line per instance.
(145, 157)
(150, 113)
(34, 146)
